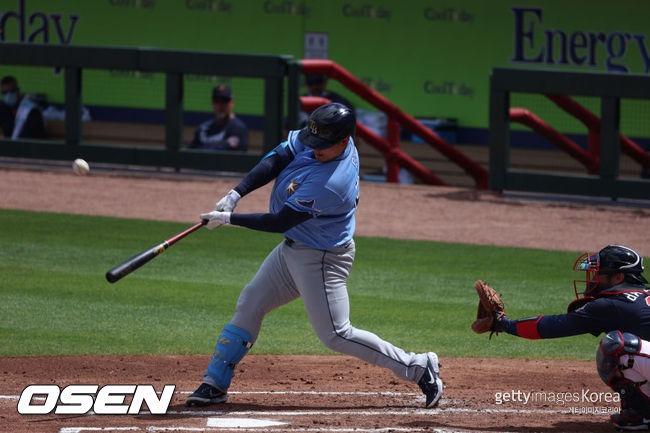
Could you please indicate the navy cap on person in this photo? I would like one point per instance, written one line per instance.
(222, 92)
(314, 79)
(328, 125)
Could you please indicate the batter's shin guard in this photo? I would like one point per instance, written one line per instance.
(233, 344)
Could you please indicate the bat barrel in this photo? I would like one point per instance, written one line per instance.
(130, 265)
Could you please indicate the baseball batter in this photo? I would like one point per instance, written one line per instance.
(313, 202)
(615, 300)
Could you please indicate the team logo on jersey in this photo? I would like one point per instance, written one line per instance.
(308, 204)
(292, 187)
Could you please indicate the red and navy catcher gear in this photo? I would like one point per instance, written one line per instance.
(588, 262)
(610, 260)
(612, 346)
(617, 258)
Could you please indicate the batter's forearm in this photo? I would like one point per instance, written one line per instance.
(270, 222)
(264, 172)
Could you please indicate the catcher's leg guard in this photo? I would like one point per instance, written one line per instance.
(233, 344)
(612, 346)
(611, 368)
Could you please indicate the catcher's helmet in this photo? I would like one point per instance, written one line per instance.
(617, 258)
(610, 260)
(328, 125)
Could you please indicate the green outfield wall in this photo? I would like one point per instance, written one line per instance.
(432, 58)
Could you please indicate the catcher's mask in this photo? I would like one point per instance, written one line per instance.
(610, 260)
(589, 263)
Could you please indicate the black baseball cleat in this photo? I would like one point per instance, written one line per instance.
(630, 419)
(430, 382)
(205, 395)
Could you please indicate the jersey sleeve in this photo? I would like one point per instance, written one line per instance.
(271, 165)
(592, 318)
(270, 222)
(265, 171)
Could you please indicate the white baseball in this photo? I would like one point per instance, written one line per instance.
(80, 167)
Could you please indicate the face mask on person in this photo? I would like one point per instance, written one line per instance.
(10, 98)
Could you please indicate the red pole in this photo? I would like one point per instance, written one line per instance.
(392, 167)
(593, 148)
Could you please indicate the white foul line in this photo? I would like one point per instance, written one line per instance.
(368, 393)
(437, 411)
(297, 429)
(405, 412)
(82, 429)
(389, 393)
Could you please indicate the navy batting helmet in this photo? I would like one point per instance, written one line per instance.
(328, 125)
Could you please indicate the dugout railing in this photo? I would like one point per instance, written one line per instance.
(276, 71)
(610, 88)
(396, 119)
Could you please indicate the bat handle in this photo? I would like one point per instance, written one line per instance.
(171, 241)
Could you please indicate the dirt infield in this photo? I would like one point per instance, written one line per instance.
(322, 393)
(332, 393)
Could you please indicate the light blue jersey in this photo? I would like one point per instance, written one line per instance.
(329, 191)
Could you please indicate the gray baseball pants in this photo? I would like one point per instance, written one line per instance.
(319, 277)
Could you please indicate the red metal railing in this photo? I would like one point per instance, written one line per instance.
(525, 117)
(592, 122)
(395, 155)
(396, 117)
(589, 158)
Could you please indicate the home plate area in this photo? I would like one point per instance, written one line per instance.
(292, 411)
(333, 411)
(315, 393)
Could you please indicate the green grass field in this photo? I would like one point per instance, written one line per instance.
(54, 299)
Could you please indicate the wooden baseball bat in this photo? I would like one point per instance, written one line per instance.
(130, 265)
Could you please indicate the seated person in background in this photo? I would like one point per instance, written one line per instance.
(317, 86)
(226, 131)
(20, 115)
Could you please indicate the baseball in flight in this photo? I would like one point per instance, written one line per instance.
(80, 167)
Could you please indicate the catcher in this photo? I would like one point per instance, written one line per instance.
(616, 301)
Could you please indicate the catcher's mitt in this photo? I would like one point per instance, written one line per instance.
(489, 303)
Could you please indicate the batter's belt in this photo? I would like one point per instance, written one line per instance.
(339, 249)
